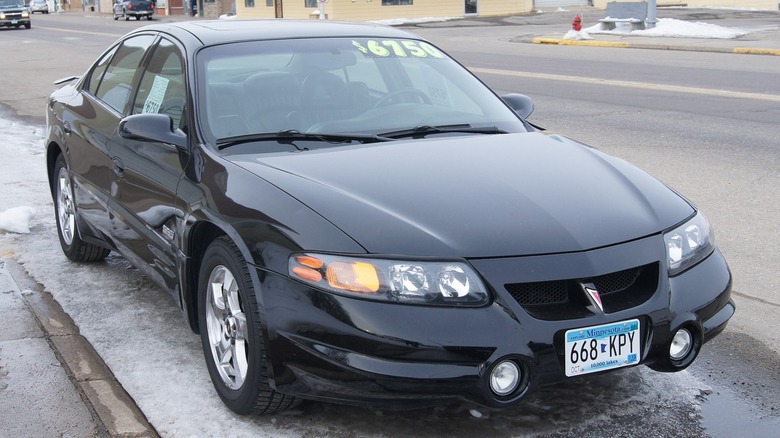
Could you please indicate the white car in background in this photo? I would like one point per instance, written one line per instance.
(38, 6)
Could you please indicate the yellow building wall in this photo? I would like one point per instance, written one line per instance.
(364, 10)
(489, 8)
(260, 10)
(373, 9)
(757, 4)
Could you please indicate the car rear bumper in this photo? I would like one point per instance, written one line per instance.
(333, 348)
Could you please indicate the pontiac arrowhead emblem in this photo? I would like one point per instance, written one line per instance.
(593, 295)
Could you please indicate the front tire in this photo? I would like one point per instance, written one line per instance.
(231, 333)
(67, 219)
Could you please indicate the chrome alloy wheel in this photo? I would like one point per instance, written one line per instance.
(227, 328)
(65, 209)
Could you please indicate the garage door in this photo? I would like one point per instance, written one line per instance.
(558, 3)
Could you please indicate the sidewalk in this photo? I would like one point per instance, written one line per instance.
(763, 37)
(52, 383)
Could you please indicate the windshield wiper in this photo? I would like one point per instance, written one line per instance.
(290, 135)
(424, 130)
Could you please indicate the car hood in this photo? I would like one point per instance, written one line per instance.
(475, 196)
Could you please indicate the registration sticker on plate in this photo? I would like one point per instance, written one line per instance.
(602, 347)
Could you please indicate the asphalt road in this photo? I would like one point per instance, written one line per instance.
(704, 123)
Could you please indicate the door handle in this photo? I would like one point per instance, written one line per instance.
(118, 166)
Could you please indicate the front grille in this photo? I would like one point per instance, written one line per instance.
(616, 281)
(566, 299)
(539, 293)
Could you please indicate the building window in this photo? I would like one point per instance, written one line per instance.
(249, 3)
(310, 4)
(397, 2)
(269, 3)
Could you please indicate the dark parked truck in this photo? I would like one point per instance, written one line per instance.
(14, 13)
(133, 8)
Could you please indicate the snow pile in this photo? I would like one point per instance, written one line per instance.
(399, 21)
(17, 220)
(670, 27)
(577, 35)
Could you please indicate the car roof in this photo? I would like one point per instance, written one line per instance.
(213, 32)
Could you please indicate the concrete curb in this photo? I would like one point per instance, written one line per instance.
(111, 406)
(592, 43)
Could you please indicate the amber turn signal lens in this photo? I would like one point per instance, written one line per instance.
(353, 276)
(307, 274)
(312, 262)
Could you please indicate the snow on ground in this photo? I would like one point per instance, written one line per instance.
(400, 21)
(666, 27)
(17, 219)
(673, 28)
(140, 333)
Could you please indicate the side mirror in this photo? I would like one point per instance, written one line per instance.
(522, 104)
(152, 127)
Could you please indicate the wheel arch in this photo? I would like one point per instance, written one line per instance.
(53, 151)
(198, 239)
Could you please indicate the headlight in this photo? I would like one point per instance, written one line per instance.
(448, 283)
(25, 14)
(689, 244)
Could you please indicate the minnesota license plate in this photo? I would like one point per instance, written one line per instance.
(602, 347)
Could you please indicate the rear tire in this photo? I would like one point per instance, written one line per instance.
(67, 218)
(231, 333)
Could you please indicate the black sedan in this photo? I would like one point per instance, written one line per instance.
(346, 214)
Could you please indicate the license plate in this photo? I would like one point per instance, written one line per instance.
(602, 347)
(14, 21)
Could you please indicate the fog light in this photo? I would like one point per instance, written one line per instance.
(504, 378)
(681, 344)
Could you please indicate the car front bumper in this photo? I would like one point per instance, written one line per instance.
(14, 22)
(340, 349)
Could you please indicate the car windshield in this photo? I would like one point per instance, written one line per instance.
(11, 4)
(360, 86)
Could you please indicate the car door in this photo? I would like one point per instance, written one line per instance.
(146, 174)
(90, 120)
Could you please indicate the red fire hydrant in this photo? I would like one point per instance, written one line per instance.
(577, 23)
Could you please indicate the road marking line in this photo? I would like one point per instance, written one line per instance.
(630, 84)
(116, 35)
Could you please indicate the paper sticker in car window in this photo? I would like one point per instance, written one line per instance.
(156, 95)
